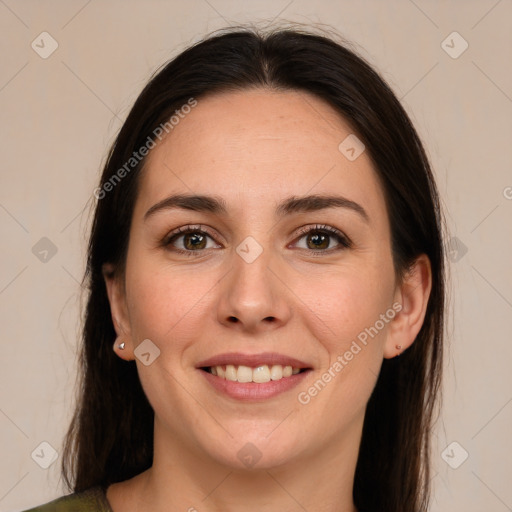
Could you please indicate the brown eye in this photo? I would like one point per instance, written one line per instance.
(189, 239)
(320, 239)
(194, 241)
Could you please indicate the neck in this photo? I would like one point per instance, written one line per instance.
(182, 479)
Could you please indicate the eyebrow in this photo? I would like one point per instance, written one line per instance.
(217, 205)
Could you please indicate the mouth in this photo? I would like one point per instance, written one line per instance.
(259, 374)
(253, 377)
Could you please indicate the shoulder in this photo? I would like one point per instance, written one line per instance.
(90, 500)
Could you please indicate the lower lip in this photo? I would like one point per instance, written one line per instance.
(254, 391)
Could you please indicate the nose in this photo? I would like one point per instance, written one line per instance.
(252, 296)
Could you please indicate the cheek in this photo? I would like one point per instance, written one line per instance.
(348, 305)
(164, 304)
(168, 308)
(343, 304)
(344, 312)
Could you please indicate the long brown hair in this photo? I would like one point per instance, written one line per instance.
(110, 438)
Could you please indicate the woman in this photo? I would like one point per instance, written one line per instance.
(266, 291)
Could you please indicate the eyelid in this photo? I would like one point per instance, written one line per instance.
(189, 228)
(344, 241)
(186, 229)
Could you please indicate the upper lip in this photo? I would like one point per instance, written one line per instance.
(252, 360)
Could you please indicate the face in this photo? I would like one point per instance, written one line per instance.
(248, 278)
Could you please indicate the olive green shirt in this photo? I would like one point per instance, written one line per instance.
(91, 500)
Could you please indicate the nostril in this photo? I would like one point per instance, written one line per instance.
(233, 319)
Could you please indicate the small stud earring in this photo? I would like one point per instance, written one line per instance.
(121, 346)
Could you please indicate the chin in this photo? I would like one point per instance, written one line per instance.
(254, 452)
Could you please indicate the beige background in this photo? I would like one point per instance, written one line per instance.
(60, 114)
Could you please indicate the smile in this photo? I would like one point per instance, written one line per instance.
(260, 374)
(253, 377)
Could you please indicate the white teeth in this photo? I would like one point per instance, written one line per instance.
(260, 374)
(244, 374)
(276, 372)
(231, 373)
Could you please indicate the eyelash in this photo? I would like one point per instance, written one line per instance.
(344, 242)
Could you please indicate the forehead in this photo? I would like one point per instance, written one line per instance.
(257, 146)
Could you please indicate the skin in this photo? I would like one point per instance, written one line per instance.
(255, 149)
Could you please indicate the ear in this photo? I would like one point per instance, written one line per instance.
(119, 311)
(412, 294)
